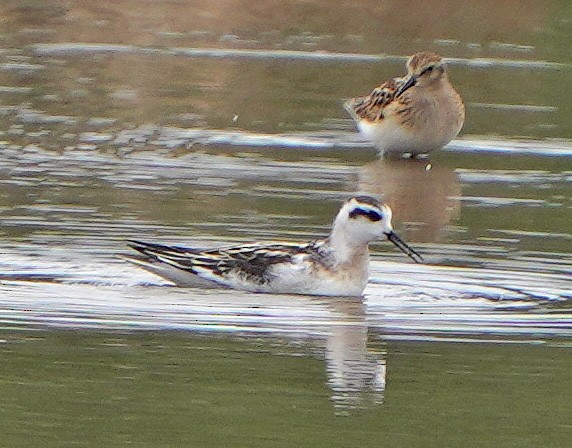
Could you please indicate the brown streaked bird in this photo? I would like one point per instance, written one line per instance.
(413, 115)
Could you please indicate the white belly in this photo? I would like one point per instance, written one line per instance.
(320, 283)
(426, 131)
(390, 137)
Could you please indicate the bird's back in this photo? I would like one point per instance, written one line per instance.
(253, 267)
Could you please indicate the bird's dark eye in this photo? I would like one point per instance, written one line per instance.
(427, 70)
(372, 215)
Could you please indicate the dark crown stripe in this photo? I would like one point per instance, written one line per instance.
(367, 200)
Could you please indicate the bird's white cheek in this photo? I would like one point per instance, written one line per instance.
(376, 234)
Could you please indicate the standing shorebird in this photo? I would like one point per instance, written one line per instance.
(413, 115)
(333, 266)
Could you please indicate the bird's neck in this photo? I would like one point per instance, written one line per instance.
(441, 84)
(346, 250)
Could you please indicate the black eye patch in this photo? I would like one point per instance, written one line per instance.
(427, 70)
(372, 215)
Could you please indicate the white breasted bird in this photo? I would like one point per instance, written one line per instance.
(413, 115)
(333, 266)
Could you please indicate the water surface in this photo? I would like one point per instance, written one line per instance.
(201, 124)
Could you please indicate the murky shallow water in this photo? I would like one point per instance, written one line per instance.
(75, 211)
(207, 137)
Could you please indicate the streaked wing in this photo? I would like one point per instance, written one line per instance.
(371, 107)
(250, 262)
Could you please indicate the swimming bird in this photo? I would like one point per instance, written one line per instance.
(413, 115)
(333, 266)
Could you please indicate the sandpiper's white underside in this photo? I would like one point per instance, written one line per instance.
(390, 137)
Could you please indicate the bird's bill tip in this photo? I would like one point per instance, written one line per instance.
(409, 82)
(404, 247)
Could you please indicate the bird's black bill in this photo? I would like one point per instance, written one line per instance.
(409, 83)
(392, 236)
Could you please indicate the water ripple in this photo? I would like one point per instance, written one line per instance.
(78, 49)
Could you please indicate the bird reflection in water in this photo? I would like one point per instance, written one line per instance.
(355, 366)
(424, 195)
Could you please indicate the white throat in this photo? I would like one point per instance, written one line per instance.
(346, 248)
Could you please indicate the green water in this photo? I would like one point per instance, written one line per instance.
(172, 389)
(91, 154)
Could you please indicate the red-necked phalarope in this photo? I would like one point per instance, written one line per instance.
(334, 266)
(413, 115)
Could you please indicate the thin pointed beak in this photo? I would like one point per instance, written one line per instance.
(409, 82)
(392, 236)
